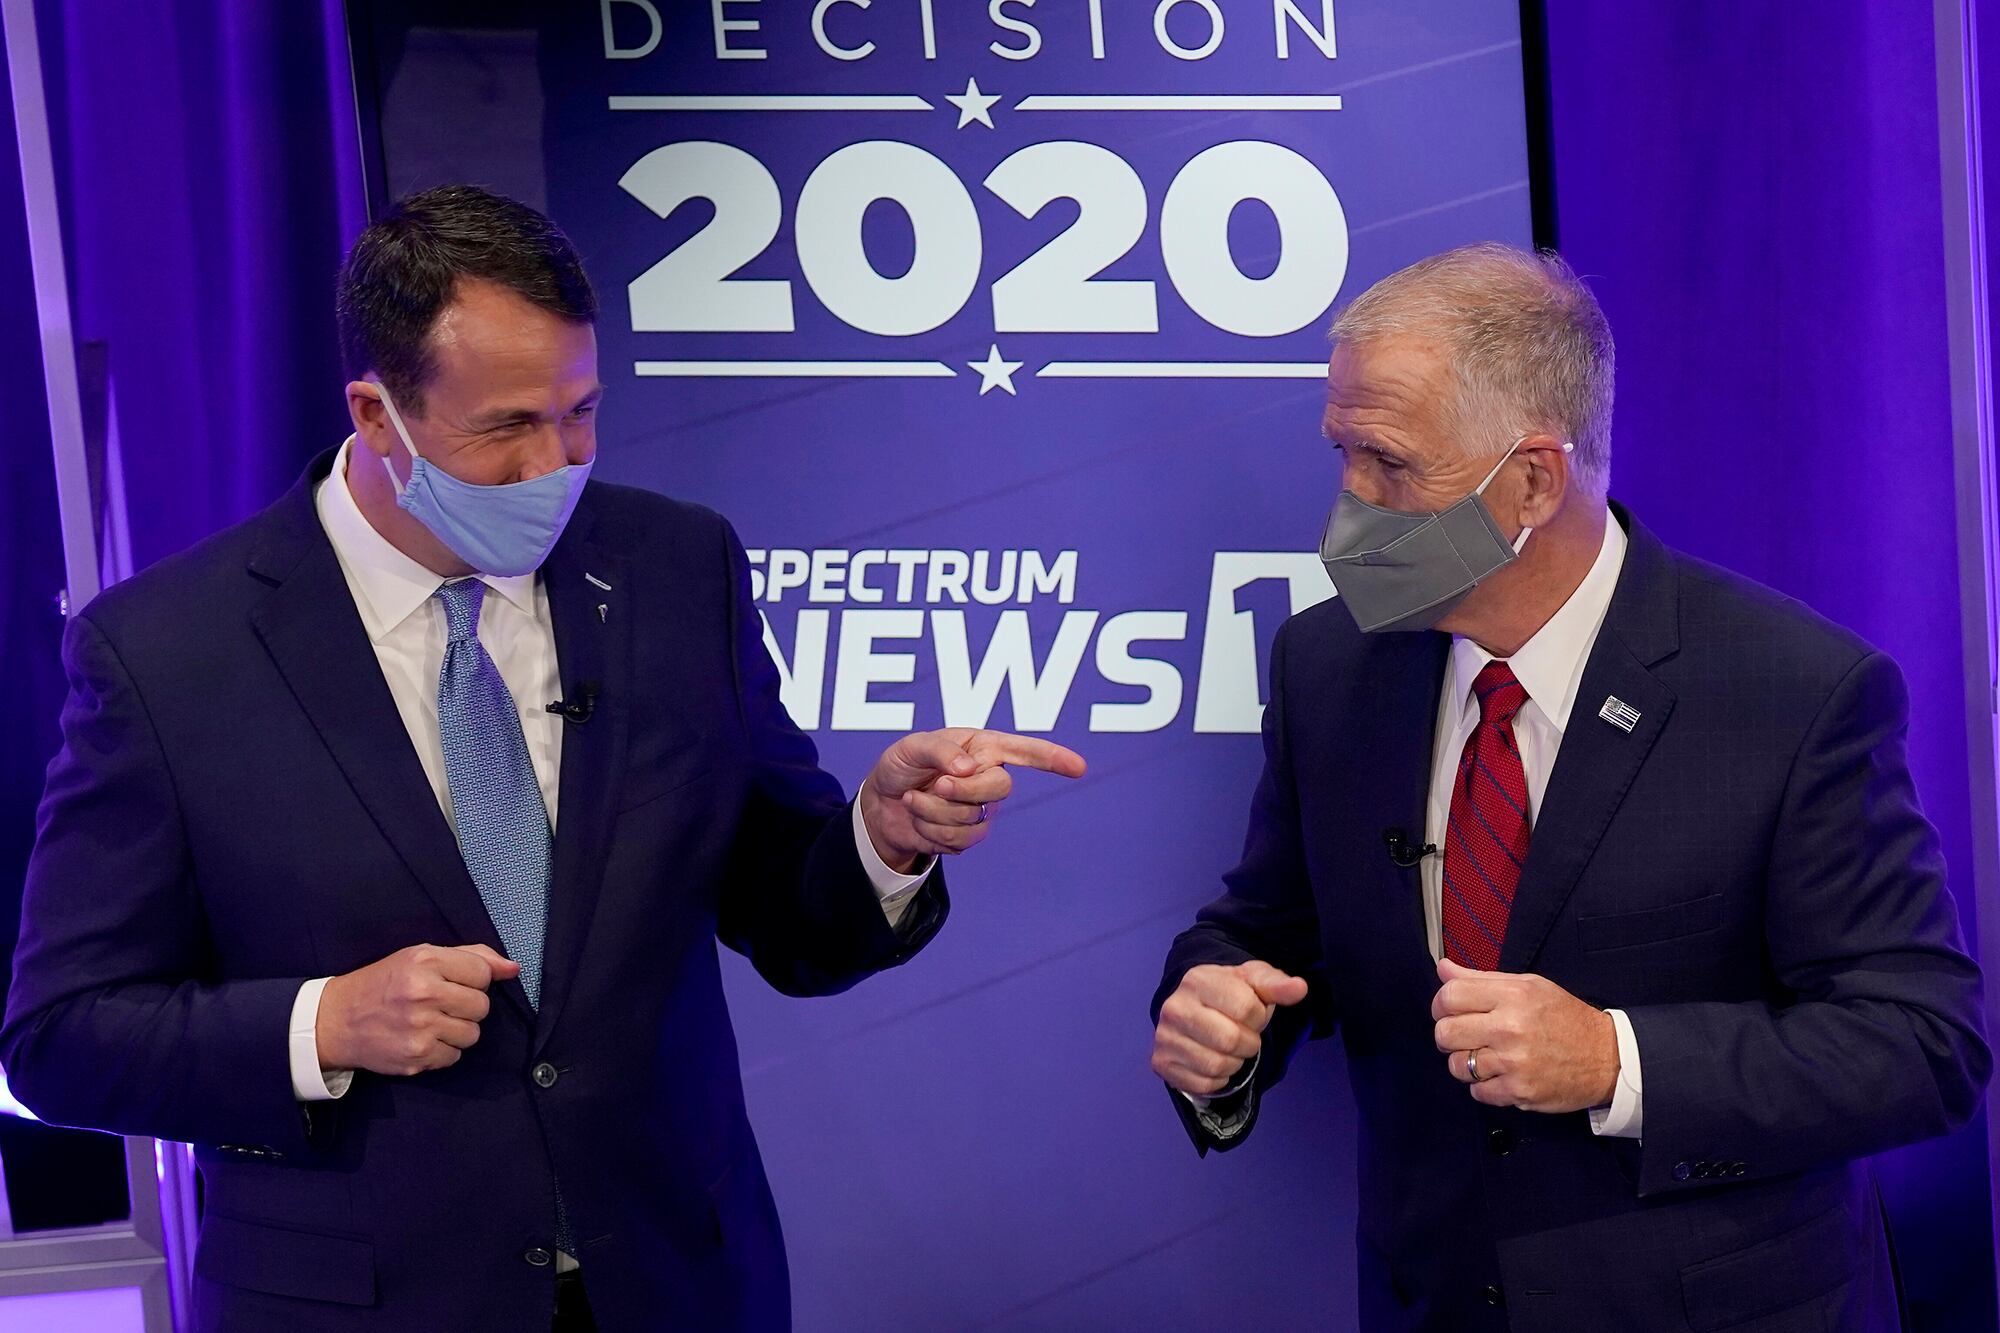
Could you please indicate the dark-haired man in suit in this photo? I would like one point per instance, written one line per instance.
(424, 969)
(1605, 863)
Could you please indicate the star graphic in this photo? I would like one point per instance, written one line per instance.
(973, 105)
(993, 372)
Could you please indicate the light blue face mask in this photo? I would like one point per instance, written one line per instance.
(504, 530)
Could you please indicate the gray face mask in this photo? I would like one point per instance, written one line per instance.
(1398, 571)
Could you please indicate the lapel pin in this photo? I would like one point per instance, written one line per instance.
(602, 608)
(1619, 713)
(596, 582)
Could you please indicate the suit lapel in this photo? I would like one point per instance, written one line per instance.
(1599, 760)
(314, 634)
(593, 648)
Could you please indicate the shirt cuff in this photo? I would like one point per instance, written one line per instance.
(1625, 1118)
(1226, 1114)
(1235, 1085)
(895, 891)
(310, 1083)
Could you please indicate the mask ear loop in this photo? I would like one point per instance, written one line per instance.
(1569, 447)
(402, 433)
(1480, 489)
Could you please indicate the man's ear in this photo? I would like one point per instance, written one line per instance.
(1548, 478)
(370, 418)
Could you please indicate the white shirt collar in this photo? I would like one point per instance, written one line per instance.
(1550, 664)
(389, 586)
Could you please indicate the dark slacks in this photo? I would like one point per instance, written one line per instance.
(572, 1306)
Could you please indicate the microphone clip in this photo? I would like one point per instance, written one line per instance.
(1401, 853)
(577, 710)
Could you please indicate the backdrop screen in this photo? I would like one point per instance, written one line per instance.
(999, 332)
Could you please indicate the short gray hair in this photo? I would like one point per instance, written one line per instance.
(1527, 343)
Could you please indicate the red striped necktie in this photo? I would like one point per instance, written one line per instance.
(1487, 841)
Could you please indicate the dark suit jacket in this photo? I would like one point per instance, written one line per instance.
(1747, 874)
(237, 808)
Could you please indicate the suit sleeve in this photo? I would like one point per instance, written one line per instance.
(1873, 1036)
(114, 1020)
(796, 899)
(1267, 913)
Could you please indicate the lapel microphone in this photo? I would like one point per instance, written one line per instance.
(1397, 840)
(577, 710)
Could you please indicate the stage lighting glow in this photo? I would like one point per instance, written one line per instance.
(10, 1106)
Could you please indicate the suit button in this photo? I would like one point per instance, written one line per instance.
(539, 1257)
(1682, 1171)
(1495, 1296)
(1738, 1168)
(1500, 1142)
(544, 1074)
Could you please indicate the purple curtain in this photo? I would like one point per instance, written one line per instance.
(1752, 190)
(210, 179)
(207, 173)
(31, 555)
(54, 1177)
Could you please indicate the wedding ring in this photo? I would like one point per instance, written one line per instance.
(1472, 1065)
(982, 813)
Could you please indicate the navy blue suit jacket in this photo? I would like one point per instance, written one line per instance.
(237, 808)
(1746, 873)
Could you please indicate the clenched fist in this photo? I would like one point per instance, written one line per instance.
(1215, 1020)
(1536, 1046)
(420, 1008)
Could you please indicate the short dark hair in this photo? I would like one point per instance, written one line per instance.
(406, 264)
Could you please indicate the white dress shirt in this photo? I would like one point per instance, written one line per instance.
(1550, 668)
(407, 628)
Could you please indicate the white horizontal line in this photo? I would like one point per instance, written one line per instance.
(1182, 102)
(1183, 370)
(795, 369)
(1439, 208)
(802, 102)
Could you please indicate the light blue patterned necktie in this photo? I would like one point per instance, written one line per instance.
(503, 826)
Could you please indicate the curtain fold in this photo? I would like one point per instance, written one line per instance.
(211, 180)
(1753, 192)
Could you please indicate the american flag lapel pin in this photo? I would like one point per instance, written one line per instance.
(1619, 713)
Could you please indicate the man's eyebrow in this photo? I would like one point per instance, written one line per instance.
(500, 416)
(1351, 440)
